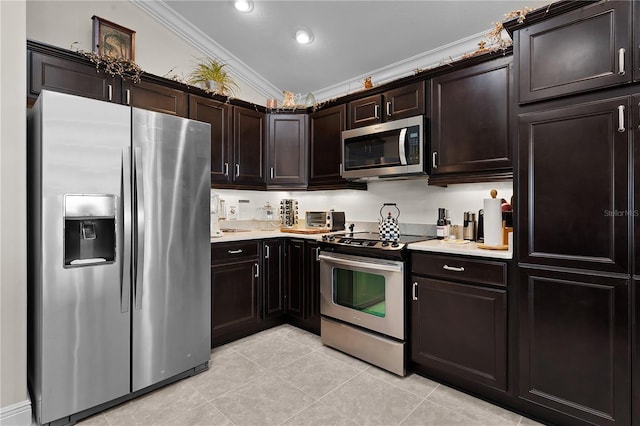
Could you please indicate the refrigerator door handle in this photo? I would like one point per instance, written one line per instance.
(139, 223)
(125, 281)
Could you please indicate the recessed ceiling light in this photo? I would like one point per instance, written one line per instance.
(244, 6)
(304, 36)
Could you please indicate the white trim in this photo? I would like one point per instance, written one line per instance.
(18, 414)
(183, 28)
(406, 67)
(244, 73)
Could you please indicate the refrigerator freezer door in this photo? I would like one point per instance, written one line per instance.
(80, 338)
(171, 324)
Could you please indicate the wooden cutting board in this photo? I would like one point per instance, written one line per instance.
(500, 247)
(304, 230)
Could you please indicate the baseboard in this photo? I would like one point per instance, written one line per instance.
(18, 414)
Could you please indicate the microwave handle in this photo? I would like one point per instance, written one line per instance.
(401, 150)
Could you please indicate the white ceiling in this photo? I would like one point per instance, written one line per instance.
(353, 39)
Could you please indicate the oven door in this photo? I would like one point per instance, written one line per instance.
(367, 292)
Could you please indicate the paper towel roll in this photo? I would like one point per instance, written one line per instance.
(493, 221)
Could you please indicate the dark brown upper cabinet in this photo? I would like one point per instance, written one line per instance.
(470, 110)
(574, 346)
(326, 128)
(248, 146)
(636, 41)
(67, 76)
(585, 49)
(217, 114)
(155, 97)
(287, 153)
(403, 102)
(574, 186)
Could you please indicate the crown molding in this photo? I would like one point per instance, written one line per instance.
(247, 75)
(406, 67)
(192, 35)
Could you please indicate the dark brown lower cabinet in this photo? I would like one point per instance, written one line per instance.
(574, 345)
(274, 278)
(235, 290)
(312, 319)
(295, 272)
(460, 330)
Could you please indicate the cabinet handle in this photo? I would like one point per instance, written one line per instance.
(237, 169)
(621, 128)
(317, 254)
(388, 109)
(453, 268)
(340, 166)
(434, 162)
(267, 251)
(128, 95)
(621, 60)
(257, 270)
(271, 172)
(234, 251)
(376, 112)
(414, 291)
(226, 169)
(110, 92)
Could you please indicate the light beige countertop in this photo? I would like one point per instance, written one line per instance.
(256, 234)
(468, 249)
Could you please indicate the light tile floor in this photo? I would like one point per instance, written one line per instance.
(285, 376)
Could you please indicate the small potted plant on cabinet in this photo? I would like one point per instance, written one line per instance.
(212, 74)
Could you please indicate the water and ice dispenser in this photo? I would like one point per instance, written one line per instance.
(89, 229)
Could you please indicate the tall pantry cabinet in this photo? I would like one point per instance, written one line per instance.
(577, 229)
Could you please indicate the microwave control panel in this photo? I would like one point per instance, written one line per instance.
(413, 145)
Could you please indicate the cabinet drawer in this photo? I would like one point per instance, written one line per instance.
(460, 269)
(231, 252)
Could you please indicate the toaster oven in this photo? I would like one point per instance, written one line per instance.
(328, 220)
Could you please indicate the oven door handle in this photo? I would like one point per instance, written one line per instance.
(355, 263)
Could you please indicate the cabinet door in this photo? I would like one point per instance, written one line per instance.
(574, 187)
(273, 294)
(635, 366)
(365, 111)
(248, 146)
(218, 115)
(287, 149)
(636, 41)
(635, 123)
(460, 330)
(312, 287)
(403, 102)
(576, 51)
(155, 97)
(470, 119)
(234, 298)
(66, 76)
(295, 279)
(574, 344)
(326, 144)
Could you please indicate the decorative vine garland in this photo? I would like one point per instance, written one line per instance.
(112, 65)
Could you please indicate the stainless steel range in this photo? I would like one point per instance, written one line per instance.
(363, 281)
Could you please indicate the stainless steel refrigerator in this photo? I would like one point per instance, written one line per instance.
(118, 240)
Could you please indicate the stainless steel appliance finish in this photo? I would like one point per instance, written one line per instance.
(329, 220)
(370, 241)
(386, 150)
(389, 320)
(99, 331)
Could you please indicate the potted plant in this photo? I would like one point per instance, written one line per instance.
(213, 75)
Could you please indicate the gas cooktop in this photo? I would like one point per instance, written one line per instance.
(372, 240)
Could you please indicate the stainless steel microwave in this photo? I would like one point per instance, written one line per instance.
(392, 149)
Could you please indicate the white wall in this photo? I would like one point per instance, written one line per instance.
(14, 403)
(157, 49)
(418, 202)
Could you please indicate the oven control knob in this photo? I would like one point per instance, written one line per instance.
(332, 237)
(325, 238)
(385, 243)
(395, 244)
